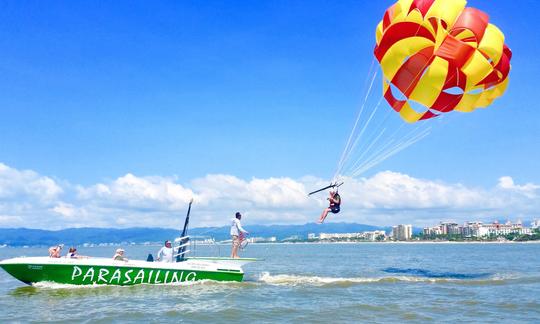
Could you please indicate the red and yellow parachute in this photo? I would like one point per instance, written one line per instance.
(442, 55)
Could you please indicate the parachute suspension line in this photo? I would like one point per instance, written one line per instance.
(361, 161)
(366, 124)
(364, 129)
(379, 151)
(383, 148)
(367, 149)
(387, 146)
(391, 151)
(348, 149)
(397, 149)
(382, 124)
(386, 141)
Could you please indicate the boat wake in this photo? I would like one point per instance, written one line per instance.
(396, 275)
(54, 285)
(306, 280)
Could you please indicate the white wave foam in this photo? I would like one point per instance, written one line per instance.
(299, 280)
(54, 285)
(306, 280)
(295, 280)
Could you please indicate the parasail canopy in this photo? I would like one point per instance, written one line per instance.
(436, 56)
(441, 55)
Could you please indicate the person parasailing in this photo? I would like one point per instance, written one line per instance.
(334, 200)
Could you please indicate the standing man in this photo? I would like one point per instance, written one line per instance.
(335, 201)
(236, 230)
(166, 253)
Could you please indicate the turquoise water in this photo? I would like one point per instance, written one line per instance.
(308, 282)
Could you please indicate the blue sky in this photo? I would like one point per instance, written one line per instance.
(94, 91)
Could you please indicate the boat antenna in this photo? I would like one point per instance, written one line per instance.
(182, 248)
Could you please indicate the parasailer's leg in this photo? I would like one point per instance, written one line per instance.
(323, 215)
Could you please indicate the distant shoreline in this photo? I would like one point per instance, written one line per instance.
(461, 242)
(412, 242)
(287, 243)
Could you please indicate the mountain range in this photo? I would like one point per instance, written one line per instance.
(78, 236)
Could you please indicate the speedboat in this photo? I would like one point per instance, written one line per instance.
(104, 271)
(99, 271)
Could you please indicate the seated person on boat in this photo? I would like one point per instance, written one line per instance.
(54, 251)
(119, 255)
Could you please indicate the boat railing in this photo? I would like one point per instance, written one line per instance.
(182, 253)
(180, 239)
(182, 244)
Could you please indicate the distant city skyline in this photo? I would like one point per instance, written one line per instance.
(117, 114)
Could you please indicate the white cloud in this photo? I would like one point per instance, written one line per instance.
(15, 184)
(65, 210)
(263, 193)
(507, 183)
(129, 191)
(26, 198)
(396, 191)
(32, 200)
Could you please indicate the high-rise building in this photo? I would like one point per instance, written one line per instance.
(402, 232)
(450, 228)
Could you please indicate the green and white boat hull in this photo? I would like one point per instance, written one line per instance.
(102, 271)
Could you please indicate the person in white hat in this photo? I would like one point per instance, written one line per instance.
(119, 256)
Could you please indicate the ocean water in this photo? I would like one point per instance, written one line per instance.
(337, 283)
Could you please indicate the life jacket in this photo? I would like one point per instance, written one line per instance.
(338, 198)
